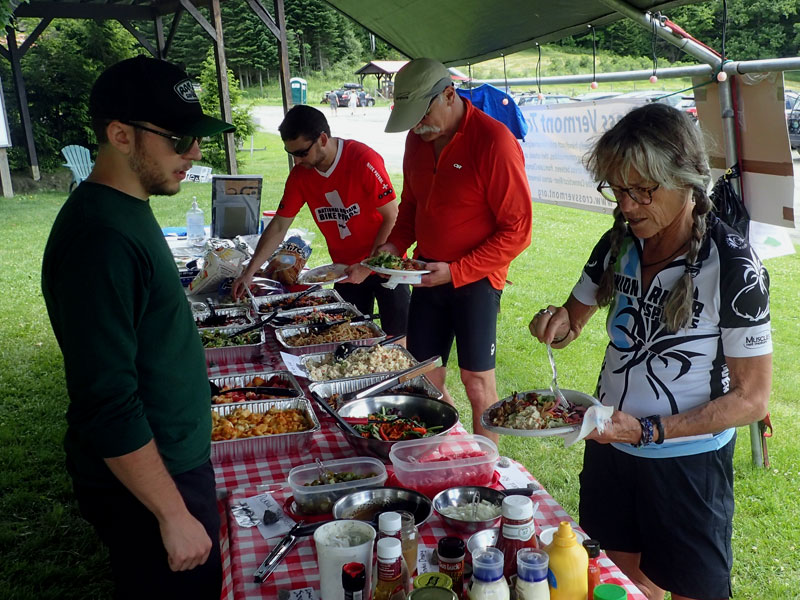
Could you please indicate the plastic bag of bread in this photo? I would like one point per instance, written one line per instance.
(286, 264)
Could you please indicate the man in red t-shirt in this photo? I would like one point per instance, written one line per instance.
(467, 205)
(346, 187)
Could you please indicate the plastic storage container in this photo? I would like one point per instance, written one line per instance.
(319, 499)
(431, 465)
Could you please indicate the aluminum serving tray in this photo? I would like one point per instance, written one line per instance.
(351, 312)
(234, 354)
(279, 444)
(282, 333)
(420, 385)
(227, 312)
(331, 297)
(318, 356)
(242, 379)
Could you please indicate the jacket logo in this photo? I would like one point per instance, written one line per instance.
(185, 90)
(456, 165)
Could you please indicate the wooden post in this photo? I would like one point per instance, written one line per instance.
(5, 175)
(22, 99)
(224, 92)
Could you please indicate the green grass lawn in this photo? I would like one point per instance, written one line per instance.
(50, 552)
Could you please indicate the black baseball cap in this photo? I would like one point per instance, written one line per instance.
(154, 91)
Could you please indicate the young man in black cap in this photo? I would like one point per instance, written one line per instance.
(138, 423)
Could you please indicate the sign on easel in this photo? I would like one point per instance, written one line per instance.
(5, 142)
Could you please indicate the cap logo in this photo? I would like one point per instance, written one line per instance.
(185, 90)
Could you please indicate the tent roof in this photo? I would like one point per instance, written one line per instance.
(460, 31)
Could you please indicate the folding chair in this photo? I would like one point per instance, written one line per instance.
(79, 161)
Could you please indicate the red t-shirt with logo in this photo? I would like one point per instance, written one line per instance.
(343, 200)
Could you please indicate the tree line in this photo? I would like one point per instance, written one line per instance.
(60, 67)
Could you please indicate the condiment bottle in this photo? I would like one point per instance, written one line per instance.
(569, 564)
(433, 579)
(354, 578)
(195, 224)
(389, 525)
(516, 531)
(389, 583)
(532, 575)
(450, 551)
(488, 582)
(593, 572)
(610, 591)
(409, 538)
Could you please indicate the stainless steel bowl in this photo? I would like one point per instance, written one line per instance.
(431, 412)
(366, 505)
(482, 539)
(464, 495)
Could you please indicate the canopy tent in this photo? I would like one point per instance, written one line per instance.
(458, 32)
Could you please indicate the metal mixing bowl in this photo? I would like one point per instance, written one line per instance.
(463, 495)
(366, 505)
(431, 412)
(482, 539)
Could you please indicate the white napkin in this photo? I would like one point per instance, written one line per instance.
(596, 417)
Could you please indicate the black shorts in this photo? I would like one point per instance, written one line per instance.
(467, 313)
(677, 512)
(130, 531)
(392, 304)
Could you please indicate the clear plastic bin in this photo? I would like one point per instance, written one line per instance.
(431, 465)
(318, 499)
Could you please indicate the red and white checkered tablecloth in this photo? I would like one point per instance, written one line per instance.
(243, 549)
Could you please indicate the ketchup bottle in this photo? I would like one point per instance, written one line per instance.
(516, 531)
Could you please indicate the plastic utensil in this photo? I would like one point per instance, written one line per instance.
(214, 318)
(292, 304)
(554, 384)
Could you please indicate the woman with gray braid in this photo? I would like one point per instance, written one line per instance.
(689, 358)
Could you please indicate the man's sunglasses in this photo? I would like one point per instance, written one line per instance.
(304, 152)
(181, 143)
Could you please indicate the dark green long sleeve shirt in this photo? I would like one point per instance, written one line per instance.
(134, 364)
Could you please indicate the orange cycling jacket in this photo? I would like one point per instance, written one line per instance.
(471, 207)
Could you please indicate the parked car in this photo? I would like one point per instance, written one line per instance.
(533, 98)
(792, 100)
(655, 96)
(343, 95)
(687, 104)
(589, 96)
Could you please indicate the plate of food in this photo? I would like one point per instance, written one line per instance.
(536, 413)
(323, 275)
(389, 264)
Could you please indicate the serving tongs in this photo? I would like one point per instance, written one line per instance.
(280, 550)
(560, 398)
(345, 349)
(281, 392)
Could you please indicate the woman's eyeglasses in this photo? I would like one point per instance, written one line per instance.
(304, 152)
(640, 195)
(181, 143)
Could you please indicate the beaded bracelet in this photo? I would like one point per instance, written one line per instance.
(647, 432)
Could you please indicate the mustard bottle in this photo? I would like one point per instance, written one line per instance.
(568, 564)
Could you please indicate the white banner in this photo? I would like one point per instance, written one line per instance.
(558, 137)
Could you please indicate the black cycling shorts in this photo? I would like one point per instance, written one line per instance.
(677, 512)
(467, 313)
(392, 304)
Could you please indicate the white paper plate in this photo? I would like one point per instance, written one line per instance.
(399, 272)
(573, 396)
(324, 275)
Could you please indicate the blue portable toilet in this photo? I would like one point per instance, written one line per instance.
(299, 88)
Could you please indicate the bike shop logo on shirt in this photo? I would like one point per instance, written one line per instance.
(337, 212)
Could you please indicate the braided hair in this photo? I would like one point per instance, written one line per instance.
(665, 146)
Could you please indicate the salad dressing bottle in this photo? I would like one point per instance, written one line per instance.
(569, 564)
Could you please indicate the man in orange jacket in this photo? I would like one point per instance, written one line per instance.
(467, 205)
